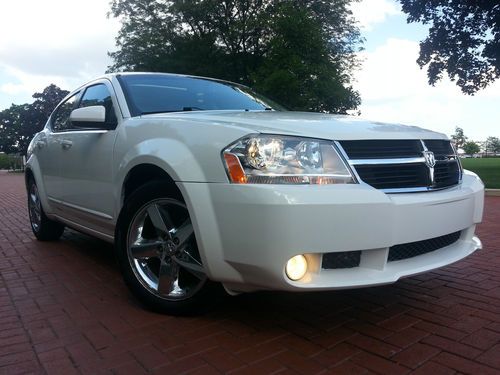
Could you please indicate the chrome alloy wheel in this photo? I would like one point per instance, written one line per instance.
(35, 208)
(162, 251)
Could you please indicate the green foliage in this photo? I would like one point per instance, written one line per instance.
(486, 168)
(458, 139)
(14, 128)
(463, 40)
(19, 123)
(10, 162)
(492, 145)
(471, 148)
(301, 53)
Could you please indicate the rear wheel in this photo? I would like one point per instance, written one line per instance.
(158, 253)
(43, 228)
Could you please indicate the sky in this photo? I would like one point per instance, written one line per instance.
(66, 42)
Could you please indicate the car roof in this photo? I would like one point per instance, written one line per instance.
(117, 74)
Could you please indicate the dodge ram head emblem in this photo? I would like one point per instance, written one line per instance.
(430, 160)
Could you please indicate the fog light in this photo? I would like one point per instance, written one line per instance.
(296, 267)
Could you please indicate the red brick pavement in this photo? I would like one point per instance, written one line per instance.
(64, 309)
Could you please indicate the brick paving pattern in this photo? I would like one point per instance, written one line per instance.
(64, 309)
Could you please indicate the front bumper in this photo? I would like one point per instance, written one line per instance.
(247, 233)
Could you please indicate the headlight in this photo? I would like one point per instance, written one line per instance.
(274, 159)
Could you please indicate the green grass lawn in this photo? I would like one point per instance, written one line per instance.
(488, 169)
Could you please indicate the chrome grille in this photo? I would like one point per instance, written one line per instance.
(446, 174)
(401, 165)
(394, 176)
(382, 149)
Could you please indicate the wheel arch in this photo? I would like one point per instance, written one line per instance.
(32, 171)
(145, 172)
(28, 174)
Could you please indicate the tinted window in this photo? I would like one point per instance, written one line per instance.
(156, 93)
(60, 119)
(99, 95)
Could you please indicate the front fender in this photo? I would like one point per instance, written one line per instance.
(168, 154)
(189, 151)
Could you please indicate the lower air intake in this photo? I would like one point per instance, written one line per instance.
(413, 249)
(344, 259)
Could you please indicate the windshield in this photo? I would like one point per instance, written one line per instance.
(157, 93)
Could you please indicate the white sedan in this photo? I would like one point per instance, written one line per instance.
(197, 180)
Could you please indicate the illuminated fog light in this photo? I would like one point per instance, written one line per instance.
(296, 267)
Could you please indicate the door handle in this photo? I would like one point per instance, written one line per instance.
(40, 144)
(66, 144)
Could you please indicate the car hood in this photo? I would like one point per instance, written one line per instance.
(308, 124)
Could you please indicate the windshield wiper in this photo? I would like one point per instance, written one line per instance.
(155, 112)
(189, 109)
(184, 109)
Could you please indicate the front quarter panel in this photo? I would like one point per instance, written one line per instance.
(189, 151)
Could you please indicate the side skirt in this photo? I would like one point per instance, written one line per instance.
(83, 229)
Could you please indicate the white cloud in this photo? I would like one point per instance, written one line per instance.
(394, 89)
(29, 83)
(371, 12)
(53, 41)
(12, 89)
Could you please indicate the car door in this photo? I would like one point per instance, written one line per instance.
(48, 148)
(86, 167)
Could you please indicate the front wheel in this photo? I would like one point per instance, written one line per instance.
(157, 252)
(43, 228)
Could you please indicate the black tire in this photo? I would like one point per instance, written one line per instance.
(43, 228)
(145, 251)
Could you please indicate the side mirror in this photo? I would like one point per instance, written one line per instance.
(93, 117)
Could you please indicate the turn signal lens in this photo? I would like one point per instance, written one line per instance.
(235, 169)
(296, 267)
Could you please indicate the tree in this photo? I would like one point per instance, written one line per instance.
(299, 52)
(458, 139)
(19, 123)
(492, 145)
(45, 103)
(12, 121)
(471, 148)
(463, 40)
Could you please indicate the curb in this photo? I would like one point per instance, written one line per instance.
(492, 192)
